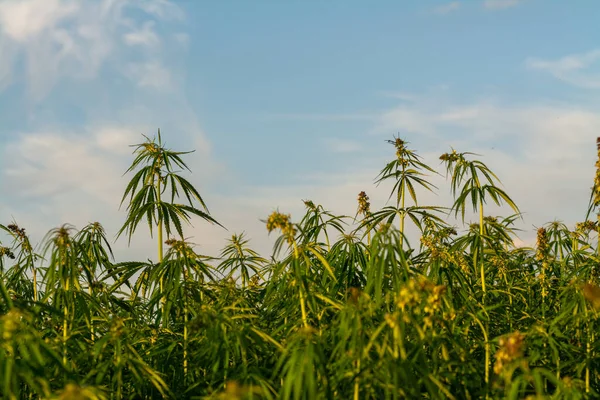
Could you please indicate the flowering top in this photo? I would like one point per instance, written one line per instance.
(450, 157)
(364, 207)
(542, 244)
(281, 221)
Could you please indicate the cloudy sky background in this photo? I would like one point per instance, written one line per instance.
(285, 101)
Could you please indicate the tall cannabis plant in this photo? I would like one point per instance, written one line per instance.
(146, 189)
(406, 171)
(471, 174)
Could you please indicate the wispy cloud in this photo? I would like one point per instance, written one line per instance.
(447, 8)
(399, 95)
(150, 75)
(576, 69)
(46, 163)
(523, 128)
(500, 4)
(342, 145)
(27, 19)
(324, 117)
(163, 9)
(145, 36)
(66, 39)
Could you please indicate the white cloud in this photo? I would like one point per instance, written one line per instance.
(182, 38)
(7, 50)
(117, 139)
(324, 117)
(409, 97)
(65, 39)
(573, 69)
(447, 8)
(151, 75)
(409, 119)
(145, 36)
(46, 164)
(500, 4)
(24, 20)
(342, 145)
(485, 122)
(163, 9)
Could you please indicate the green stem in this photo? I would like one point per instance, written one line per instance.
(160, 226)
(303, 307)
(185, 330)
(357, 380)
(8, 374)
(598, 231)
(487, 360)
(598, 234)
(119, 394)
(327, 242)
(588, 350)
(35, 291)
(91, 317)
(160, 245)
(91, 293)
(481, 238)
(482, 266)
(402, 216)
(66, 288)
(301, 290)
(65, 335)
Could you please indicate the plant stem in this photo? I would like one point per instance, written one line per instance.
(8, 374)
(598, 231)
(482, 266)
(185, 329)
(301, 290)
(160, 245)
(90, 292)
(119, 372)
(303, 308)
(65, 327)
(402, 216)
(481, 238)
(160, 227)
(35, 290)
(588, 351)
(91, 318)
(357, 381)
(487, 359)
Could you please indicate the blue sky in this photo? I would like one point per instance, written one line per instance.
(291, 100)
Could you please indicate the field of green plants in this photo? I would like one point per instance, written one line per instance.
(346, 307)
